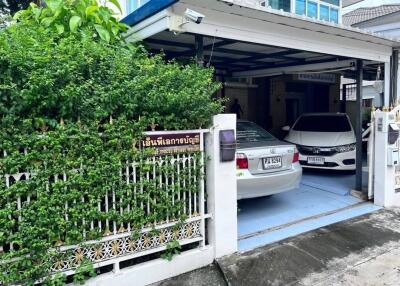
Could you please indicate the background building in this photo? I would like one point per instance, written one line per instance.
(378, 16)
(326, 10)
(383, 19)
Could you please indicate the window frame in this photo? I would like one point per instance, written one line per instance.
(329, 12)
(319, 3)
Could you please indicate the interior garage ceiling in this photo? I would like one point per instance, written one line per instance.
(229, 56)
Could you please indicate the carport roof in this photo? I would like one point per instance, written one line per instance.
(241, 36)
(230, 57)
(234, 55)
(273, 15)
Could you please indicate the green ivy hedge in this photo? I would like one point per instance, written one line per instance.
(49, 78)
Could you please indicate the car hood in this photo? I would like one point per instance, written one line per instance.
(320, 139)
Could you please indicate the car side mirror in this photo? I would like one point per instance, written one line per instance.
(286, 128)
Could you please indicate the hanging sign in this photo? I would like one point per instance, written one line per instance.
(317, 77)
(172, 143)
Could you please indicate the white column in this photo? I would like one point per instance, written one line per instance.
(221, 190)
(385, 194)
(386, 96)
(381, 182)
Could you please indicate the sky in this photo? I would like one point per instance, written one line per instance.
(369, 3)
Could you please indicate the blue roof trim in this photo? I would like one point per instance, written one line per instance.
(147, 10)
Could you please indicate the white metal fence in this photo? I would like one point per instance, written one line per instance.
(122, 241)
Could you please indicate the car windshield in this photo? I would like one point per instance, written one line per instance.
(251, 132)
(323, 123)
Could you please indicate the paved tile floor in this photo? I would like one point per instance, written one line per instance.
(323, 198)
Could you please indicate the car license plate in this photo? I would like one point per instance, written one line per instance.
(316, 160)
(272, 162)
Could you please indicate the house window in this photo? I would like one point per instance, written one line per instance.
(301, 7)
(334, 15)
(132, 5)
(277, 4)
(312, 9)
(324, 12)
(367, 102)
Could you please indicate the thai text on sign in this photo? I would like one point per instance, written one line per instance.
(172, 143)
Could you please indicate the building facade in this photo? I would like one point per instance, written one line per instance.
(325, 10)
(381, 19)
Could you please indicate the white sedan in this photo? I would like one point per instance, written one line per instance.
(324, 141)
(265, 165)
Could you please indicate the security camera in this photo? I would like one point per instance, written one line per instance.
(194, 16)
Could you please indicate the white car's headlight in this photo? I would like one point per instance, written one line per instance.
(345, 148)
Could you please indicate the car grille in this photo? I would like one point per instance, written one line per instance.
(326, 164)
(316, 151)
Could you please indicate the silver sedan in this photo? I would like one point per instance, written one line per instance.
(265, 165)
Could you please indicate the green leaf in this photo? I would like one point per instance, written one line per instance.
(74, 23)
(60, 28)
(115, 30)
(90, 10)
(19, 14)
(47, 21)
(54, 4)
(36, 12)
(116, 3)
(103, 33)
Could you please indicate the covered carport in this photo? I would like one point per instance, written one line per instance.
(256, 51)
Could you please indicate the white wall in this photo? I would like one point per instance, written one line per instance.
(388, 25)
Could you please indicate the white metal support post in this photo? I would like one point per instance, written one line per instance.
(360, 71)
(221, 190)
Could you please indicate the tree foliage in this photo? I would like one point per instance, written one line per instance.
(86, 17)
(48, 76)
(77, 99)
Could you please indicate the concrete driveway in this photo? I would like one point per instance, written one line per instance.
(360, 251)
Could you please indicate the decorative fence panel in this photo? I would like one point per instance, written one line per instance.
(177, 171)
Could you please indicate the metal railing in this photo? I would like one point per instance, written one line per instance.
(123, 241)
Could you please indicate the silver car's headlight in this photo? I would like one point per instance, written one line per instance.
(345, 148)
